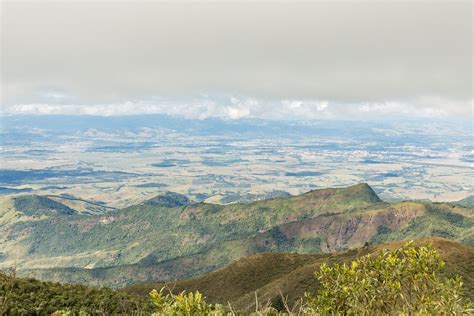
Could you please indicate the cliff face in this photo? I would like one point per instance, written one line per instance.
(341, 231)
(354, 231)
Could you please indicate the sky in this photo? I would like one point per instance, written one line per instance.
(238, 59)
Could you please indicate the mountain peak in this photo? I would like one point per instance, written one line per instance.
(168, 199)
(361, 191)
(40, 205)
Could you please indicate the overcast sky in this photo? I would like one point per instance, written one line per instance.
(238, 59)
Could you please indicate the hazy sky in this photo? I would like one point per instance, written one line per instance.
(238, 59)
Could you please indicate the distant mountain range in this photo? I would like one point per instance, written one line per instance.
(170, 238)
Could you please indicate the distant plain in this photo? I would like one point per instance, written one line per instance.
(119, 161)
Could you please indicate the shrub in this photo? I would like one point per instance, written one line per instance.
(404, 281)
(183, 304)
(24, 296)
(401, 282)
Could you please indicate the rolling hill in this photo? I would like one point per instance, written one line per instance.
(167, 238)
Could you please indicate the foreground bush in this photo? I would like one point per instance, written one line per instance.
(401, 282)
(183, 304)
(404, 281)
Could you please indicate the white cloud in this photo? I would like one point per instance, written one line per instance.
(237, 113)
(420, 107)
(236, 107)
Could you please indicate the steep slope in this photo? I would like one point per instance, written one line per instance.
(272, 275)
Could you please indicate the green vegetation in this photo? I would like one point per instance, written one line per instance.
(395, 279)
(37, 205)
(403, 281)
(280, 278)
(26, 296)
(182, 304)
(146, 242)
(397, 282)
(168, 199)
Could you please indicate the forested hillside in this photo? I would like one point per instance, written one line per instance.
(147, 242)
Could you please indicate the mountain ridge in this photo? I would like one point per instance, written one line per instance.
(146, 242)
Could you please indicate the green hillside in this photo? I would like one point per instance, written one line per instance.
(150, 242)
(30, 208)
(37, 205)
(168, 199)
(272, 275)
